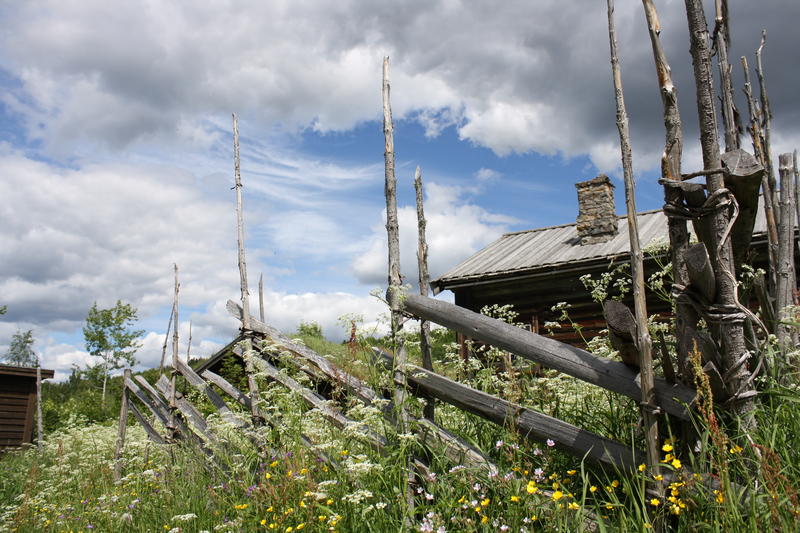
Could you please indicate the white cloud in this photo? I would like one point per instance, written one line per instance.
(455, 230)
(514, 79)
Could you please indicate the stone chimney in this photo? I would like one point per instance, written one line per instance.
(597, 216)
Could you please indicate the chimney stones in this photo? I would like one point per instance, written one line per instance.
(597, 216)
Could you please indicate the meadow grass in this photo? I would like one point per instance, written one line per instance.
(736, 485)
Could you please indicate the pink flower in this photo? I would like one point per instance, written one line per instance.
(551, 442)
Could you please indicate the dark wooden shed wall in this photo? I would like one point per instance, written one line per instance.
(17, 404)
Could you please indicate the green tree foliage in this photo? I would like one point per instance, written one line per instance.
(310, 329)
(20, 351)
(109, 336)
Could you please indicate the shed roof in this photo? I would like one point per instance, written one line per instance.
(24, 371)
(543, 249)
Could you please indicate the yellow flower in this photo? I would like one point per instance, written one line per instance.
(658, 477)
(557, 495)
(343, 453)
(273, 464)
(302, 504)
(267, 475)
(655, 502)
(667, 447)
(322, 518)
(571, 472)
(264, 522)
(329, 502)
(486, 502)
(241, 506)
(674, 509)
(615, 483)
(574, 506)
(642, 467)
(532, 488)
(533, 518)
(273, 525)
(270, 509)
(592, 489)
(289, 529)
(301, 525)
(736, 449)
(478, 509)
(484, 519)
(515, 499)
(720, 497)
(676, 463)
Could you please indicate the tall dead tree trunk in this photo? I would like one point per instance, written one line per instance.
(643, 342)
(240, 227)
(166, 341)
(261, 297)
(394, 292)
(172, 424)
(424, 287)
(786, 276)
(721, 43)
(726, 314)
(766, 120)
(685, 314)
(39, 432)
(766, 187)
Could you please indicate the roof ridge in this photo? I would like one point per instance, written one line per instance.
(533, 230)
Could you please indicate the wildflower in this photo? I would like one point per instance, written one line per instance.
(720, 497)
(642, 467)
(557, 495)
(532, 488)
(484, 519)
(504, 528)
(571, 472)
(267, 475)
(241, 506)
(486, 502)
(736, 449)
(676, 463)
(615, 483)
(551, 443)
(573, 506)
(515, 499)
(655, 502)
(264, 522)
(667, 447)
(658, 477)
(273, 464)
(498, 444)
(593, 489)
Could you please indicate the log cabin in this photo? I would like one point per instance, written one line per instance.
(536, 269)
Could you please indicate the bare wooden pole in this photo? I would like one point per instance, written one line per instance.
(722, 41)
(424, 287)
(643, 341)
(786, 276)
(261, 297)
(727, 311)
(766, 119)
(123, 426)
(176, 322)
(166, 339)
(240, 226)
(796, 187)
(189, 343)
(394, 292)
(685, 316)
(766, 187)
(39, 432)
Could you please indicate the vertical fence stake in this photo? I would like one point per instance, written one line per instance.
(123, 426)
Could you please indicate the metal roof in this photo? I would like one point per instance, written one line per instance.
(526, 252)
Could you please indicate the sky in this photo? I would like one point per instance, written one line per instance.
(116, 149)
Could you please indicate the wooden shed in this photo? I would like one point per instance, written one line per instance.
(17, 404)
